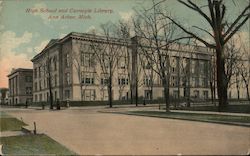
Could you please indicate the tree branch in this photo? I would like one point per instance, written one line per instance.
(192, 34)
(237, 20)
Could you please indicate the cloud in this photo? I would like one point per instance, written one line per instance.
(9, 41)
(126, 16)
(40, 47)
(9, 57)
(1, 5)
(43, 16)
(93, 30)
(62, 35)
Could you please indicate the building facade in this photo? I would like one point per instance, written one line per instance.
(78, 67)
(20, 86)
(4, 95)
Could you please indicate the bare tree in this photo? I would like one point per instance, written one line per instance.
(232, 59)
(244, 70)
(222, 30)
(156, 35)
(107, 52)
(124, 32)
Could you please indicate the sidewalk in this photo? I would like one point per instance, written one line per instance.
(11, 133)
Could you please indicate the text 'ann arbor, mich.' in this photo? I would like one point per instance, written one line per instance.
(69, 13)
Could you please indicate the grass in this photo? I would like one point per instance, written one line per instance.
(8, 123)
(33, 145)
(195, 116)
(231, 108)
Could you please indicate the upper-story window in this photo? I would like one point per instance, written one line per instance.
(28, 78)
(28, 90)
(55, 80)
(39, 71)
(67, 60)
(147, 81)
(87, 59)
(88, 78)
(55, 63)
(122, 81)
(35, 73)
(122, 62)
(67, 78)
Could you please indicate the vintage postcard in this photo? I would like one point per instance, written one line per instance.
(110, 77)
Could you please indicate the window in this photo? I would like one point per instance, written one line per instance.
(28, 78)
(55, 80)
(147, 94)
(40, 97)
(87, 59)
(147, 81)
(87, 78)
(36, 98)
(122, 81)
(89, 94)
(39, 71)
(175, 94)
(40, 85)
(122, 62)
(197, 82)
(196, 94)
(205, 94)
(67, 78)
(147, 65)
(55, 63)
(36, 86)
(67, 60)
(104, 81)
(35, 72)
(67, 94)
(28, 90)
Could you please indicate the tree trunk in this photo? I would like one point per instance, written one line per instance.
(237, 87)
(221, 80)
(248, 96)
(166, 92)
(136, 94)
(50, 94)
(212, 91)
(110, 92)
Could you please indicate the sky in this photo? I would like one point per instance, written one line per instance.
(26, 26)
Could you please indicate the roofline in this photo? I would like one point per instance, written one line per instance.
(20, 70)
(75, 34)
(92, 36)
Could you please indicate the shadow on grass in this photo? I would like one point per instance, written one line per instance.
(231, 108)
(9, 123)
(213, 118)
(33, 145)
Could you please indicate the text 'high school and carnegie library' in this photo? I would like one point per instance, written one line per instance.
(70, 10)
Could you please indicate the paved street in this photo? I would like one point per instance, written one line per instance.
(87, 131)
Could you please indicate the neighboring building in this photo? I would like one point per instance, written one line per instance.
(189, 71)
(75, 74)
(20, 86)
(4, 95)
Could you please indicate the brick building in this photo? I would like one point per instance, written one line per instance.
(74, 72)
(20, 86)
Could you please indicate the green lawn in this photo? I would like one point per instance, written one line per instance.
(195, 116)
(33, 145)
(8, 123)
(231, 108)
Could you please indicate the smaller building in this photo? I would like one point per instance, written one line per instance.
(20, 86)
(4, 94)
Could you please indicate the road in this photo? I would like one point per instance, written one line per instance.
(89, 132)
